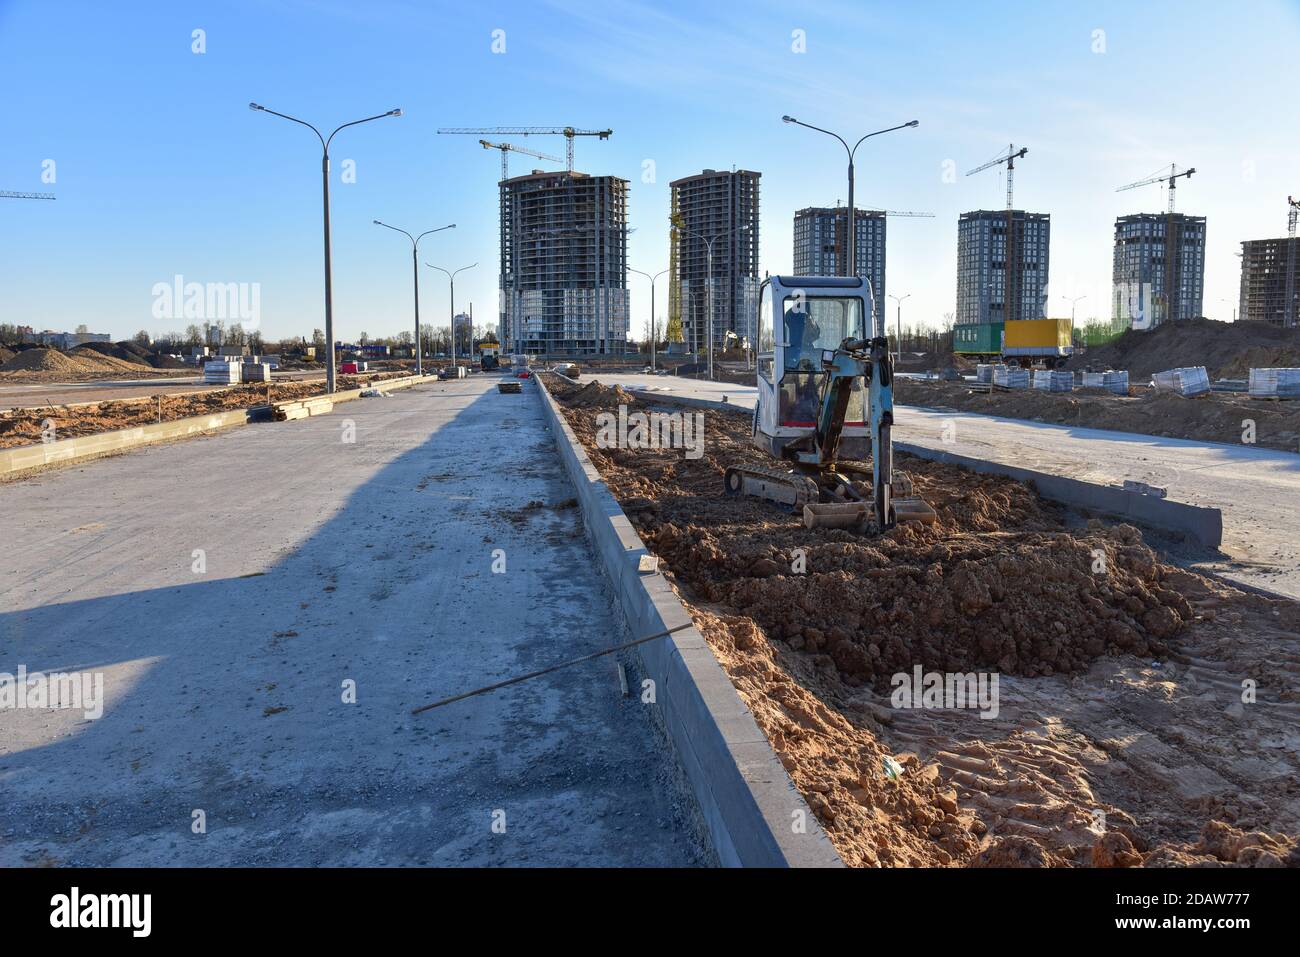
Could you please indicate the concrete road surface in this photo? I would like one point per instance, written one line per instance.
(1257, 489)
(237, 592)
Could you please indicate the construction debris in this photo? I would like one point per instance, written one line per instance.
(317, 405)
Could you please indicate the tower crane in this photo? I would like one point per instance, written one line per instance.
(1011, 308)
(1288, 298)
(897, 212)
(10, 194)
(1010, 159)
(568, 132)
(1171, 178)
(1171, 252)
(508, 148)
(888, 212)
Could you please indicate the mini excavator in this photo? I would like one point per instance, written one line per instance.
(825, 390)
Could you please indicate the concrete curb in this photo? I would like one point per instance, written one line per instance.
(745, 796)
(27, 458)
(1201, 524)
(65, 451)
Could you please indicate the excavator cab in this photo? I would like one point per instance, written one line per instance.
(799, 319)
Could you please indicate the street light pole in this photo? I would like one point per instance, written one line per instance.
(851, 245)
(415, 275)
(653, 342)
(325, 184)
(899, 301)
(708, 301)
(451, 278)
(1072, 303)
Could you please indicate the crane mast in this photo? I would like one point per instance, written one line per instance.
(1011, 274)
(1288, 296)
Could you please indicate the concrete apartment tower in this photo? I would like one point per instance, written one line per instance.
(1003, 259)
(820, 245)
(1144, 270)
(564, 264)
(714, 203)
(1265, 267)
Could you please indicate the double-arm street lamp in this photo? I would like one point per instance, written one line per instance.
(1073, 302)
(899, 302)
(653, 337)
(415, 275)
(325, 183)
(708, 248)
(451, 279)
(851, 264)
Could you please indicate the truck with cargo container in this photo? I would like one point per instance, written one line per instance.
(1022, 342)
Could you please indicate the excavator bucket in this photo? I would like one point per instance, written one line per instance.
(914, 510)
(836, 515)
(853, 514)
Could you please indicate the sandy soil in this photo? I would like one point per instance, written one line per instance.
(79, 365)
(1213, 417)
(1121, 736)
(25, 427)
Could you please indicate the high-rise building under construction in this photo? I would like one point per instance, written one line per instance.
(564, 264)
(717, 208)
(1265, 266)
(1151, 284)
(820, 245)
(1002, 265)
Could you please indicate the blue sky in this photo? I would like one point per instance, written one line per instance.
(163, 170)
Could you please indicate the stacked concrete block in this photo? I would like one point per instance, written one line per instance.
(1189, 381)
(1274, 383)
(221, 373)
(1053, 380)
(1116, 382)
(1011, 377)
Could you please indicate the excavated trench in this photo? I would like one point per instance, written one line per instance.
(814, 625)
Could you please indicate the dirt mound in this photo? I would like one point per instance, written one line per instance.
(93, 359)
(962, 594)
(5, 355)
(595, 394)
(1226, 349)
(42, 360)
(118, 350)
(49, 365)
